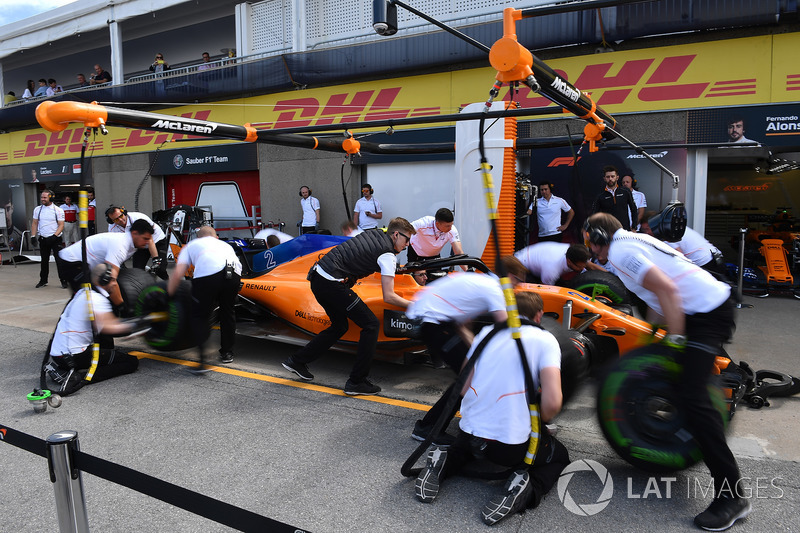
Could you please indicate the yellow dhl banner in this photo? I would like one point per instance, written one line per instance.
(754, 70)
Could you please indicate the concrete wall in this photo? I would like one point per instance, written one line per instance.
(284, 170)
(116, 179)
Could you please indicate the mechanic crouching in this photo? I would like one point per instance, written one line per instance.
(496, 420)
(71, 347)
(332, 279)
(216, 277)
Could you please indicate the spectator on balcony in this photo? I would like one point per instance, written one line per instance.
(159, 65)
(29, 90)
(9, 97)
(100, 76)
(82, 81)
(206, 64)
(54, 88)
(42, 90)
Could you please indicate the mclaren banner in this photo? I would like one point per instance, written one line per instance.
(692, 76)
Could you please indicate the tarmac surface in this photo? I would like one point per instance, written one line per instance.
(306, 455)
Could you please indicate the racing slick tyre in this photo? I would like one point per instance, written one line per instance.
(133, 281)
(575, 356)
(602, 284)
(640, 415)
(175, 333)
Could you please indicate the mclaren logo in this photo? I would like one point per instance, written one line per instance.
(564, 88)
(654, 156)
(184, 126)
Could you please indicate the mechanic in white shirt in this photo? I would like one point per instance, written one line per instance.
(549, 261)
(120, 221)
(699, 318)
(442, 308)
(639, 198)
(111, 248)
(47, 226)
(217, 272)
(433, 233)
(496, 421)
(548, 213)
(367, 210)
(310, 207)
(71, 349)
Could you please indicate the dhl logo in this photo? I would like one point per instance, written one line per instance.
(69, 141)
(345, 107)
(645, 80)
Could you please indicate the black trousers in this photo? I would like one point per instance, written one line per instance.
(50, 245)
(308, 229)
(550, 460)
(413, 257)
(112, 363)
(72, 273)
(706, 334)
(444, 342)
(206, 292)
(551, 238)
(341, 303)
(142, 255)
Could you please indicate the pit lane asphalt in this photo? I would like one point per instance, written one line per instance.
(325, 462)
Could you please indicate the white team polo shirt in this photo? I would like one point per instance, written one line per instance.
(209, 255)
(634, 254)
(548, 260)
(549, 214)
(158, 233)
(428, 240)
(495, 406)
(114, 248)
(458, 297)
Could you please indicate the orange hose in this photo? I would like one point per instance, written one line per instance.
(56, 116)
(507, 200)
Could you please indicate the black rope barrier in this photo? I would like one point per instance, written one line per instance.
(188, 500)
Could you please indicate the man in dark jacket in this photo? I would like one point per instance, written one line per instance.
(616, 200)
(332, 279)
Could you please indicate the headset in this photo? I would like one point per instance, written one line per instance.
(596, 235)
(50, 194)
(300, 192)
(367, 185)
(111, 209)
(551, 185)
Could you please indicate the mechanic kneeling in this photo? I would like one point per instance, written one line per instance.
(496, 422)
(72, 344)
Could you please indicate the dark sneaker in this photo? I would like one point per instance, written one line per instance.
(722, 513)
(421, 432)
(513, 500)
(199, 370)
(426, 487)
(64, 285)
(364, 388)
(298, 368)
(226, 357)
(56, 373)
(41, 284)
